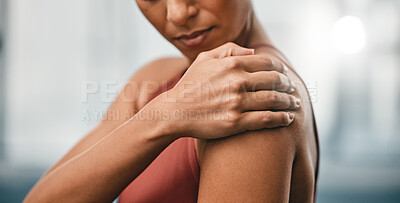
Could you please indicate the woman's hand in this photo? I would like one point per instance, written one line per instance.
(226, 91)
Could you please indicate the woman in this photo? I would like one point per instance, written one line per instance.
(181, 117)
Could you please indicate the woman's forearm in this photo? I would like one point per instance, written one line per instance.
(100, 173)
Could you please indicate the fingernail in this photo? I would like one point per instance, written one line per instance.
(291, 90)
(298, 101)
(285, 69)
(291, 116)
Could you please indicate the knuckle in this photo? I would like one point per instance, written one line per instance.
(286, 83)
(267, 117)
(203, 55)
(230, 44)
(292, 100)
(238, 83)
(238, 100)
(242, 80)
(235, 86)
(274, 97)
(233, 119)
(268, 61)
(239, 96)
(276, 77)
(232, 63)
(234, 105)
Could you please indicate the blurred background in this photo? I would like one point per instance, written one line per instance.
(53, 52)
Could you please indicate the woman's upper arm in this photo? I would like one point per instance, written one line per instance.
(255, 166)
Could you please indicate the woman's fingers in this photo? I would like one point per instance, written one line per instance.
(260, 73)
(256, 120)
(271, 100)
(255, 63)
(229, 49)
(269, 80)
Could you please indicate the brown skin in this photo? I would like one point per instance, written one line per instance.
(95, 171)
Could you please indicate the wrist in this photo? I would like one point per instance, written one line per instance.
(158, 121)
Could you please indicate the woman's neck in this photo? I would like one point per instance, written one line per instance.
(256, 34)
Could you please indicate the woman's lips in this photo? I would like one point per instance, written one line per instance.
(194, 39)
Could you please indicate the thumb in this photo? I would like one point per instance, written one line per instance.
(230, 49)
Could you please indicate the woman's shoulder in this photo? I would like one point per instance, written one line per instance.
(155, 75)
(161, 69)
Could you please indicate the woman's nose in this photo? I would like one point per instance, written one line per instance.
(180, 11)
